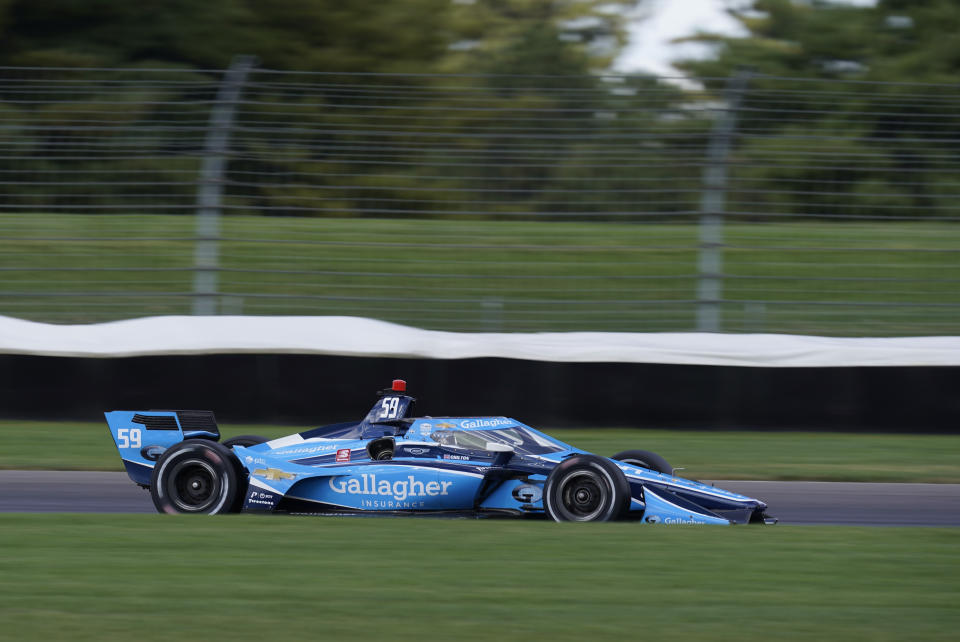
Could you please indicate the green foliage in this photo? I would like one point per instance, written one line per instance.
(522, 107)
(330, 35)
(108, 33)
(302, 129)
(314, 35)
(884, 148)
(536, 36)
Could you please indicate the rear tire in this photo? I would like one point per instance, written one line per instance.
(586, 488)
(244, 440)
(196, 476)
(645, 459)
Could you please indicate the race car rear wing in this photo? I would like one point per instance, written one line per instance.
(141, 436)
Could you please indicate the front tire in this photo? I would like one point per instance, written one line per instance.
(586, 488)
(645, 459)
(196, 476)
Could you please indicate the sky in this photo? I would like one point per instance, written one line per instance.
(658, 22)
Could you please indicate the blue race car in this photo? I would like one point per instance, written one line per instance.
(390, 463)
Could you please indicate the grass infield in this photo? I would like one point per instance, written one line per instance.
(155, 577)
(701, 454)
(844, 279)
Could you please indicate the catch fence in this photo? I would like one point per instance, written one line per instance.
(482, 203)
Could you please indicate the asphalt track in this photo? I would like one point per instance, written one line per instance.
(855, 504)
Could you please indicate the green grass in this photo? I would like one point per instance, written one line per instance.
(154, 577)
(491, 275)
(702, 454)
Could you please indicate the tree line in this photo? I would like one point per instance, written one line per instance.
(504, 104)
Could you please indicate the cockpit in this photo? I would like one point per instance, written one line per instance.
(519, 439)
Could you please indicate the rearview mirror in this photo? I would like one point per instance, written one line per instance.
(504, 452)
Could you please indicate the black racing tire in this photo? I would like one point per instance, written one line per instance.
(586, 488)
(244, 440)
(196, 476)
(645, 459)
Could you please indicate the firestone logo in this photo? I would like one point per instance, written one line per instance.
(484, 423)
(369, 485)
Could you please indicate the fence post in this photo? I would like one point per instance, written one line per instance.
(206, 256)
(712, 205)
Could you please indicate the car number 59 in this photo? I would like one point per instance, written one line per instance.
(128, 437)
(389, 408)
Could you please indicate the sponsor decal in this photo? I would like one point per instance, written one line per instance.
(446, 426)
(390, 504)
(152, 452)
(264, 499)
(326, 448)
(484, 423)
(273, 474)
(426, 427)
(527, 493)
(689, 519)
(343, 455)
(399, 490)
(458, 457)
(418, 451)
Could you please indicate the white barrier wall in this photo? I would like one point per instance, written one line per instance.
(353, 336)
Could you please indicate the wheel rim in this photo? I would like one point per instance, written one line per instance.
(583, 495)
(194, 485)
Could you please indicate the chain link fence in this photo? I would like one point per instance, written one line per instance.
(481, 203)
